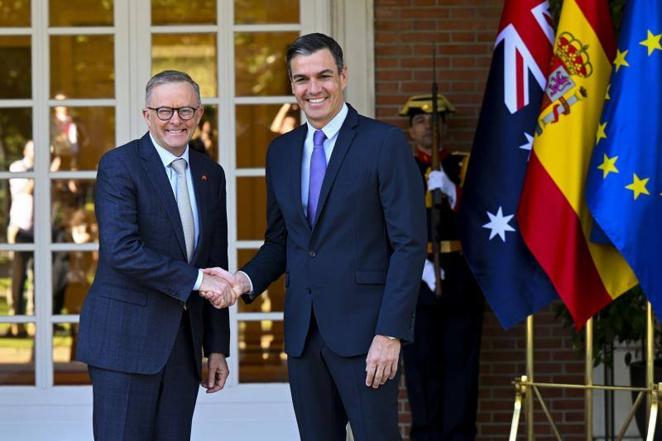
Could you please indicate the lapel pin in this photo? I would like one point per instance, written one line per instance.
(204, 177)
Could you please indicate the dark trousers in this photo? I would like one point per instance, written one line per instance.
(328, 390)
(159, 407)
(19, 273)
(441, 373)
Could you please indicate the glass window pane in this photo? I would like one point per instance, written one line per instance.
(73, 273)
(165, 12)
(257, 125)
(15, 131)
(16, 354)
(15, 13)
(72, 211)
(251, 208)
(194, 54)
(205, 138)
(266, 11)
(260, 63)
(79, 136)
(66, 369)
(16, 74)
(80, 13)
(272, 300)
(82, 66)
(16, 283)
(261, 355)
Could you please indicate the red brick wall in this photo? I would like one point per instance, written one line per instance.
(463, 32)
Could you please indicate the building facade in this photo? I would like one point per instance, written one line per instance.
(73, 81)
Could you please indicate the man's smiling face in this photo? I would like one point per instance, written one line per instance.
(318, 86)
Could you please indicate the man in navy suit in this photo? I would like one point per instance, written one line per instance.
(143, 328)
(346, 223)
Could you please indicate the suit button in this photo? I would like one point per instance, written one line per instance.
(312, 253)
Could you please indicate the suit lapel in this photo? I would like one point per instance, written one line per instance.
(296, 162)
(201, 189)
(153, 167)
(343, 143)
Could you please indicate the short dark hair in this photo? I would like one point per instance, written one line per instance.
(310, 43)
(170, 76)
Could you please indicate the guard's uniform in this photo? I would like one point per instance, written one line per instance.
(441, 366)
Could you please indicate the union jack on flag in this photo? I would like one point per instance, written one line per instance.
(510, 278)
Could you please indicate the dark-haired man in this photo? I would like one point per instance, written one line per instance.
(143, 327)
(346, 223)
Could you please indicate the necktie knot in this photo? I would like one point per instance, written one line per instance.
(179, 165)
(318, 139)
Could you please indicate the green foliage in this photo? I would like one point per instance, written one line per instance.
(622, 321)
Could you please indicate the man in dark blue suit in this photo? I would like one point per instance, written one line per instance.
(350, 237)
(143, 328)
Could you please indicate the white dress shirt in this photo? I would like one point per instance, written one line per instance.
(166, 159)
(331, 131)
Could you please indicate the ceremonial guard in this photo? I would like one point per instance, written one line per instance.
(441, 366)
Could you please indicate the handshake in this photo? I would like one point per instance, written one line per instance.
(223, 288)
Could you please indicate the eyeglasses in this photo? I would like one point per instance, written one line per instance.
(165, 113)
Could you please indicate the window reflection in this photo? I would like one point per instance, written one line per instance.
(66, 369)
(80, 13)
(194, 54)
(15, 131)
(16, 288)
(272, 299)
(17, 355)
(257, 126)
(16, 73)
(15, 13)
(251, 208)
(73, 218)
(82, 66)
(79, 136)
(73, 273)
(266, 11)
(260, 63)
(205, 137)
(261, 355)
(165, 12)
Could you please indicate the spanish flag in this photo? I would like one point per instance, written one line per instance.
(554, 219)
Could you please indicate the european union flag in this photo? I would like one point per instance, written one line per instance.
(511, 280)
(625, 176)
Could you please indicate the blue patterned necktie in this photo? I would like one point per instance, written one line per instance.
(317, 170)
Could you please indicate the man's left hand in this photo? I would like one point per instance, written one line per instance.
(382, 361)
(217, 374)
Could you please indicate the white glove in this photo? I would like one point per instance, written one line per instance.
(438, 180)
(428, 275)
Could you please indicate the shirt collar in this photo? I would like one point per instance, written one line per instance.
(333, 126)
(166, 156)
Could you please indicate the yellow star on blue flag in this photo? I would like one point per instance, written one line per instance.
(620, 200)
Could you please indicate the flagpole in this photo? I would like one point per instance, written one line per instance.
(649, 355)
(529, 373)
(588, 403)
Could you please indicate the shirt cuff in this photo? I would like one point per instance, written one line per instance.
(198, 281)
(250, 282)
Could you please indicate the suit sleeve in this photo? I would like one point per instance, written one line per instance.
(270, 261)
(401, 195)
(217, 321)
(120, 242)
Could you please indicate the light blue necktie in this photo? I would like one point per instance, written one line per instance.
(317, 170)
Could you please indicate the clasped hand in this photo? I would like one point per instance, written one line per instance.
(221, 287)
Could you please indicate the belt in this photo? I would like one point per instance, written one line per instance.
(447, 246)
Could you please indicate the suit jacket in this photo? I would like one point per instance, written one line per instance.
(132, 312)
(359, 267)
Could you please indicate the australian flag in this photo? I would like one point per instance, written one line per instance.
(510, 278)
(625, 175)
